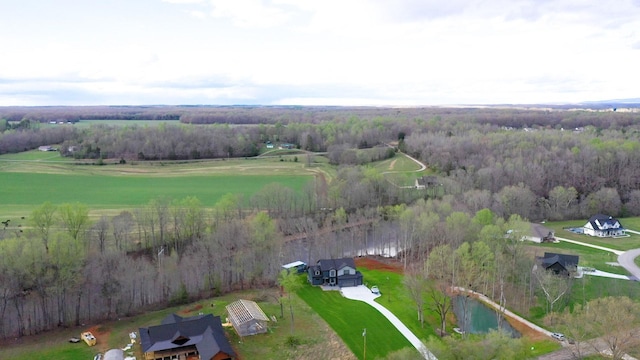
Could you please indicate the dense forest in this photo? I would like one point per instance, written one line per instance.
(498, 168)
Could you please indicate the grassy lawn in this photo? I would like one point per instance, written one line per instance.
(348, 318)
(624, 243)
(316, 339)
(593, 287)
(396, 298)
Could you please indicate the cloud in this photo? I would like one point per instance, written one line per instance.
(196, 13)
(249, 13)
(184, 1)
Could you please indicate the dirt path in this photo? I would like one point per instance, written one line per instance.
(393, 164)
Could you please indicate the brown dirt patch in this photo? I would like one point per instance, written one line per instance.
(102, 335)
(392, 165)
(192, 309)
(378, 263)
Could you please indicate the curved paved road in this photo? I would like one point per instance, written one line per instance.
(362, 293)
(626, 260)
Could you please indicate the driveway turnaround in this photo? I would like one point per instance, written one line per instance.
(362, 293)
(626, 260)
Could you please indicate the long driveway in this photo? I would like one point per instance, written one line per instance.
(362, 293)
(625, 258)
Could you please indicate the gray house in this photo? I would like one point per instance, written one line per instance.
(340, 272)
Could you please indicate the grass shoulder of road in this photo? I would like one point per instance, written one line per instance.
(314, 337)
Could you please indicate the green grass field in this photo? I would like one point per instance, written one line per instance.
(396, 298)
(348, 318)
(126, 191)
(28, 183)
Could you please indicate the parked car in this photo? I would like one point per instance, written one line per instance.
(558, 336)
(375, 290)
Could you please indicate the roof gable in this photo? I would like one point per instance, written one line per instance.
(604, 222)
(336, 264)
(566, 261)
(204, 332)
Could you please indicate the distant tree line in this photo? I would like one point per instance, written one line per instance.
(534, 163)
(548, 116)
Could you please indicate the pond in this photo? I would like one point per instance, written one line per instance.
(480, 318)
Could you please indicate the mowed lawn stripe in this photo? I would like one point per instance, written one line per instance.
(348, 318)
(125, 191)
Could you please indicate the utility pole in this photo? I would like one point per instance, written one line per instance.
(364, 335)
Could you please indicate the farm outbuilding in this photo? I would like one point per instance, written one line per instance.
(247, 318)
(299, 266)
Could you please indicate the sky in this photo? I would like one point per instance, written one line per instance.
(328, 52)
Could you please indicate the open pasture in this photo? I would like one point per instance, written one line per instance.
(27, 184)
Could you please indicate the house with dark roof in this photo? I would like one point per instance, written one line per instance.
(558, 263)
(603, 226)
(191, 338)
(340, 272)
